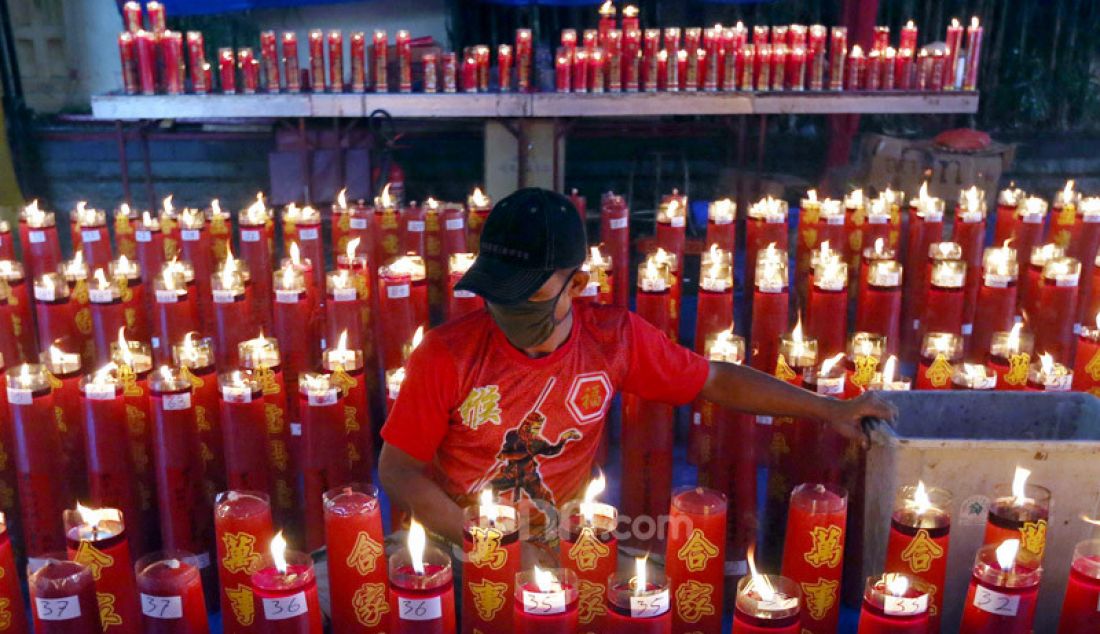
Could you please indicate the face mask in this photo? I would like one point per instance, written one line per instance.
(527, 324)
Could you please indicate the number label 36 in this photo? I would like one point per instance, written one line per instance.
(285, 607)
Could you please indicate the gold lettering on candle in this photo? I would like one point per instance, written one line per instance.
(1017, 369)
(827, 549)
(280, 457)
(587, 551)
(242, 603)
(921, 552)
(370, 603)
(240, 553)
(590, 601)
(1033, 537)
(487, 550)
(1093, 367)
(820, 597)
(95, 559)
(694, 600)
(107, 614)
(364, 554)
(697, 551)
(488, 598)
(939, 373)
(783, 371)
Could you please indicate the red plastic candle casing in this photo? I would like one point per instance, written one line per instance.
(539, 612)
(269, 56)
(290, 62)
(634, 610)
(63, 597)
(291, 310)
(647, 459)
(1056, 314)
(14, 616)
(490, 542)
(918, 542)
(146, 45)
(176, 455)
(357, 564)
(1086, 371)
(287, 602)
(335, 61)
(770, 311)
(672, 224)
(1026, 521)
(996, 301)
(359, 62)
(175, 313)
(64, 375)
(242, 528)
(396, 319)
(128, 60)
(1010, 358)
(412, 230)
(233, 318)
(227, 71)
(925, 228)
(21, 310)
(104, 548)
(170, 588)
(827, 308)
(1001, 601)
(195, 247)
(256, 251)
(108, 317)
(969, 233)
(478, 211)
(590, 550)
(715, 299)
(814, 551)
(171, 51)
(460, 302)
(422, 602)
(344, 310)
(37, 447)
(244, 432)
(878, 309)
(38, 237)
(261, 357)
(55, 312)
(112, 481)
(317, 60)
(695, 556)
(944, 303)
(766, 224)
(378, 53)
(321, 409)
(754, 615)
(1079, 612)
(356, 437)
(884, 611)
(615, 235)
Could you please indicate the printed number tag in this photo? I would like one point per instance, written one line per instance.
(344, 294)
(190, 235)
(19, 396)
(649, 606)
(166, 296)
(161, 607)
(543, 602)
(905, 605)
(677, 221)
(62, 609)
(100, 295)
(176, 402)
(287, 297)
(996, 603)
(397, 292)
(465, 294)
(97, 392)
(617, 223)
(250, 236)
(357, 223)
(142, 235)
(90, 236)
(224, 296)
(36, 237)
(416, 226)
(454, 224)
(419, 609)
(307, 234)
(286, 607)
(328, 397)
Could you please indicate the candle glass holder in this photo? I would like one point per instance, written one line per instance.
(422, 599)
(490, 543)
(940, 351)
(63, 596)
(288, 601)
(357, 560)
(170, 587)
(767, 604)
(887, 609)
(1024, 518)
(1001, 600)
(919, 540)
(1079, 613)
(632, 608)
(546, 609)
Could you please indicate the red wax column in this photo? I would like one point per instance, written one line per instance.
(1003, 591)
(421, 587)
(865, 354)
(695, 558)
(55, 312)
(1008, 200)
(412, 230)
(721, 224)
(817, 452)
(1056, 308)
(478, 206)
(490, 543)
(95, 241)
(1085, 238)
(855, 212)
(292, 308)
(242, 526)
(925, 229)
(175, 307)
(195, 359)
(920, 529)
(356, 435)
(257, 250)
(1032, 279)
(546, 601)
(76, 274)
(260, 356)
(233, 316)
(827, 308)
(125, 222)
(1010, 353)
(134, 360)
(969, 233)
(767, 604)
(195, 247)
(340, 221)
(944, 302)
(884, 221)
(814, 550)
(1047, 376)
(320, 406)
(418, 292)
(307, 234)
(345, 307)
(38, 238)
(128, 275)
(386, 241)
(170, 226)
(336, 80)
(1027, 232)
(286, 587)
(672, 224)
(63, 598)
(97, 539)
(378, 52)
(615, 235)
(64, 375)
(9, 344)
(715, 301)
(42, 495)
(766, 225)
(244, 431)
(460, 302)
(357, 560)
(1079, 611)
(396, 317)
(170, 590)
(1064, 216)
(12, 613)
(290, 62)
(435, 257)
(1019, 511)
(20, 309)
(108, 315)
(1086, 370)
(770, 314)
(894, 604)
(939, 352)
(878, 309)
(638, 601)
(590, 549)
(996, 299)
(821, 229)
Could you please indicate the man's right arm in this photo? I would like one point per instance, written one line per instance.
(409, 487)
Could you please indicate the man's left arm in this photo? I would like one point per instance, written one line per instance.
(745, 389)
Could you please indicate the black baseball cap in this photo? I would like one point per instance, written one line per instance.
(527, 236)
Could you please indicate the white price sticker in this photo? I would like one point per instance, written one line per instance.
(764, 420)
(286, 607)
(649, 606)
(877, 219)
(967, 329)
(543, 602)
(20, 396)
(100, 295)
(190, 235)
(231, 394)
(177, 402)
(44, 293)
(307, 234)
(454, 224)
(770, 287)
(592, 290)
(90, 235)
(398, 291)
(328, 397)
(166, 296)
(224, 296)
(834, 219)
(344, 294)
(63, 609)
(465, 294)
(36, 237)
(419, 609)
(886, 279)
(905, 606)
(248, 235)
(1033, 219)
(995, 602)
(677, 221)
(416, 226)
(357, 223)
(143, 235)
(992, 280)
(1065, 280)
(618, 223)
(723, 220)
(99, 392)
(295, 429)
(287, 297)
(161, 607)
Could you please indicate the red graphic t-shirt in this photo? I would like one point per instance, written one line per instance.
(485, 414)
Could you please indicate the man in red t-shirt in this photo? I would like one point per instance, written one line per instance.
(514, 397)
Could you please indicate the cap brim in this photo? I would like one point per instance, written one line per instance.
(500, 282)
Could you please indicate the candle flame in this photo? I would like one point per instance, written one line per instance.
(478, 198)
(288, 277)
(640, 582)
(896, 584)
(974, 372)
(295, 254)
(889, 369)
(972, 198)
(922, 195)
(1067, 192)
(857, 51)
(796, 334)
(630, 11)
(828, 364)
(681, 55)
(105, 375)
(880, 246)
(596, 258)
(974, 22)
(1033, 205)
(216, 207)
(855, 199)
(1019, 485)
(278, 552)
(607, 8)
(124, 347)
(353, 246)
(486, 503)
(165, 372)
(167, 204)
(1006, 554)
(758, 582)
(921, 502)
(417, 541)
(1089, 520)
(342, 341)
(545, 580)
(811, 195)
(102, 283)
(92, 517)
(33, 213)
(342, 198)
(57, 355)
(257, 211)
(595, 487)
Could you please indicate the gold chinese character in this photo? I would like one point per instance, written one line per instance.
(590, 601)
(95, 559)
(809, 236)
(107, 614)
(273, 414)
(697, 551)
(694, 601)
(196, 382)
(921, 552)
(1033, 537)
(488, 598)
(779, 446)
(205, 453)
(588, 550)
(128, 380)
(1017, 369)
(351, 419)
(353, 454)
(284, 494)
(5, 614)
(202, 420)
(487, 550)
(242, 603)
(131, 317)
(828, 546)
(80, 291)
(370, 603)
(240, 553)
(820, 597)
(84, 321)
(482, 405)
(342, 380)
(266, 377)
(389, 220)
(939, 373)
(280, 457)
(364, 554)
(135, 420)
(1093, 367)
(865, 370)
(783, 371)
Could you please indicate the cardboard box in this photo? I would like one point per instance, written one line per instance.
(906, 163)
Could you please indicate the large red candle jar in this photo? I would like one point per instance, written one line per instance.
(925, 229)
(97, 539)
(602, 270)
(323, 463)
(865, 354)
(55, 312)
(888, 380)
(1029, 224)
(1055, 317)
(307, 235)
(220, 225)
(345, 365)
(233, 316)
(996, 299)
(1032, 280)
(357, 560)
(945, 299)
(66, 371)
(108, 315)
(770, 311)
(195, 248)
(1079, 608)
(396, 320)
(170, 590)
(878, 308)
(1086, 370)
(39, 240)
(939, 352)
(721, 224)
(1003, 590)
(125, 221)
(242, 526)
(638, 602)
(175, 307)
(767, 604)
(490, 542)
(714, 311)
(345, 308)
(285, 586)
(814, 550)
(827, 313)
(292, 311)
(63, 597)
(1045, 375)
(478, 206)
(615, 235)
(170, 226)
(695, 557)
(766, 225)
(855, 211)
(809, 231)
(421, 587)
(195, 358)
(77, 275)
(1019, 511)
(244, 431)
(818, 452)
(672, 224)
(414, 266)
(894, 603)
(1064, 215)
(590, 549)
(1085, 243)
(969, 233)
(1010, 353)
(654, 299)
(10, 348)
(21, 309)
(257, 246)
(37, 447)
(128, 275)
(12, 613)
(95, 241)
(546, 601)
(460, 302)
(920, 529)
(291, 65)
(1008, 200)
(413, 229)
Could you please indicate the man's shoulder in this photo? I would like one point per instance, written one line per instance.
(604, 322)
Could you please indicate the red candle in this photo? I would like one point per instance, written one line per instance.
(345, 307)
(196, 248)
(108, 317)
(1003, 590)
(865, 352)
(10, 348)
(878, 309)
(38, 237)
(770, 314)
(460, 302)
(827, 307)
(695, 559)
(563, 71)
(767, 604)
(925, 229)
(996, 299)
(290, 62)
(292, 309)
(97, 539)
(286, 587)
(413, 230)
(244, 431)
(1086, 372)
(170, 227)
(227, 71)
(1056, 307)
(146, 45)
(195, 359)
(250, 71)
(856, 69)
(813, 445)
(1019, 511)
(396, 318)
(232, 312)
(546, 601)
(607, 19)
(269, 55)
(63, 597)
(638, 602)
(721, 225)
(973, 55)
(261, 357)
(335, 61)
(128, 276)
(939, 352)
(359, 63)
(1010, 356)
(715, 299)
(1032, 282)
(175, 307)
(55, 312)
(20, 311)
(590, 549)
(615, 235)
(320, 406)
(257, 243)
(944, 302)
(131, 16)
(894, 604)
(196, 60)
(490, 543)
(672, 224)
(523, 60)
(1079, 608)
(762, 66)
(814, 550)
(1008, 200)
(12, 613)
(242, 524)
(170, 587)
(421, 587)
(357, 560)
(969, 233)
(601, 285)
(954, 43)
(379, 50)
(317, 60)
(766, 225)
(356, 440)
(919, 537)
(64, 370)
(1048, 376)
(94, 239)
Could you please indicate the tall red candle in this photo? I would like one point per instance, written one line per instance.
(1010, 354)
(1019, 511)
(945, 299)
(63, 597)
(378, 54)
(878, 308)
(55, 311)
(13, 615)
(460, 302)
(1055, 317)
(590, 549)
(715, 300)
(244, 431)
(170, 227)
(925, 229)
(814, 551)
(396, 320)
(769, 307)
(195, 358)
(175, 307)
(766, 224)
(827, 307)
(257, 245)
(286, 586)
(128, 275)
(920, 529)
(421, 587)
(1003, 590)
(335, 61)
(290, 62)
(261, 357)
(97, 539)
(323, 465)
(195, 247)
(1008, 200)
(478, 206)
(996, 298)
(1086, 371)
(1079, 607)
(21, 310)
(39, 240)
(357, 560)
(821, 222)
(292, 309)
(233, 321)
(108, 316)
(1032, 280)
(77, 274)
(615, 235)
(939, 352)
(546, 601)
(894, 604)
(317, 60)
(969, 233)
(242, 526)
(356, 435)
(695, 557)
(490, 543)
(170, 591)
(65, 373)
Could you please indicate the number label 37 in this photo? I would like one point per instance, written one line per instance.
(157, 607)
